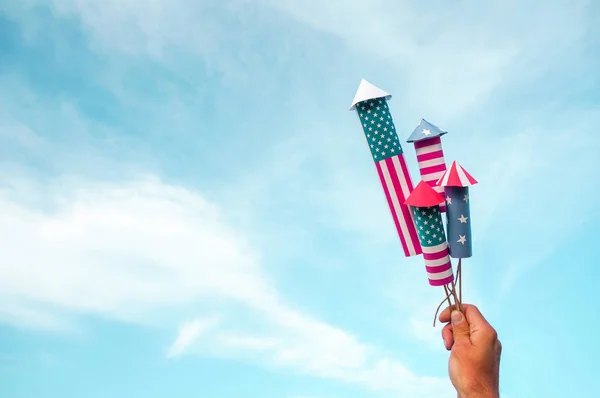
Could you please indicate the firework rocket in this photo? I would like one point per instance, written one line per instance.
(370, 103)
(430, 155)
(425, 207)
(456, 182)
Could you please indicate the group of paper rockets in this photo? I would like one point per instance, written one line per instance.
(417, 210)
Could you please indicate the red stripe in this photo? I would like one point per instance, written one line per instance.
(431, 141)
(391, 205)
(439, 268)
(430, 156)
(441, 282)
(469, 177)
(453, 178)
(396, 175)
(433, 169)
(406, 173)
(436, 256)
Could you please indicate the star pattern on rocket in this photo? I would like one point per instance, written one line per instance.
(429, 225)
(379, 129)
(456, 182)
(425, 130)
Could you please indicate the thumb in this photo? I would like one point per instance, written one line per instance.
(460, 327)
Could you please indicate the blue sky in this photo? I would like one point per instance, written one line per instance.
(189, 209)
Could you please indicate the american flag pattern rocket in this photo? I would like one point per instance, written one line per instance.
(424, 202)
(382, 139)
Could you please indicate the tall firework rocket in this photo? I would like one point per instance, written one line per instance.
(456, 182)
(370, 102)
(428, 144)
(425, 206)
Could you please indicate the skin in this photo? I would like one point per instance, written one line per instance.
(475, 350)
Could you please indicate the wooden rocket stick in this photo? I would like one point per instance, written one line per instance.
(459, 274)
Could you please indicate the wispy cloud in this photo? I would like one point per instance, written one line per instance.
(189, 332)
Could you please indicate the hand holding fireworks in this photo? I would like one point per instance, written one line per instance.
(474, 363)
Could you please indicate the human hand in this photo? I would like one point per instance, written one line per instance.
(474, 364)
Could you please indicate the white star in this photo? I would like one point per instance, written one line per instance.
(369, 111)
(426, 222)
(424, 213)
(384, 129)
(372, 121)
(463, 219)
(434, 235)
(382, 153)
(429, 241)
(427, 232)
(440, 238)
(363, 108)
(386, 146)
(426, 132)
(366, 118)
(466, 198)
(377, 149)
(421, 227)
(423, 236)
(380, 142)
(371, 145)
(462, 239)
(449, 200)
(430, 216)
(375, 114)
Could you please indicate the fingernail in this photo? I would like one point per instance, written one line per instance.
(456, 317)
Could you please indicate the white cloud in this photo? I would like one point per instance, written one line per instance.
(120, 249)
(189, 332)
(449, 61)
(139, 250)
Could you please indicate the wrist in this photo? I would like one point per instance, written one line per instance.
(480, 393)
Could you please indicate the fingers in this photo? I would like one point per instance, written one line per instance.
(476, 326)
(471, 312)
(448, 337)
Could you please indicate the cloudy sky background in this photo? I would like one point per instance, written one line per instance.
(188, 207)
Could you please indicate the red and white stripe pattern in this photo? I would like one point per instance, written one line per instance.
(432, 165)
(397, 186)
(438, 264)
(456, 176)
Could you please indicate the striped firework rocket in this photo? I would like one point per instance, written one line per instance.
(424, 202)
(370, 102)
(456, 182)
(430, 156)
